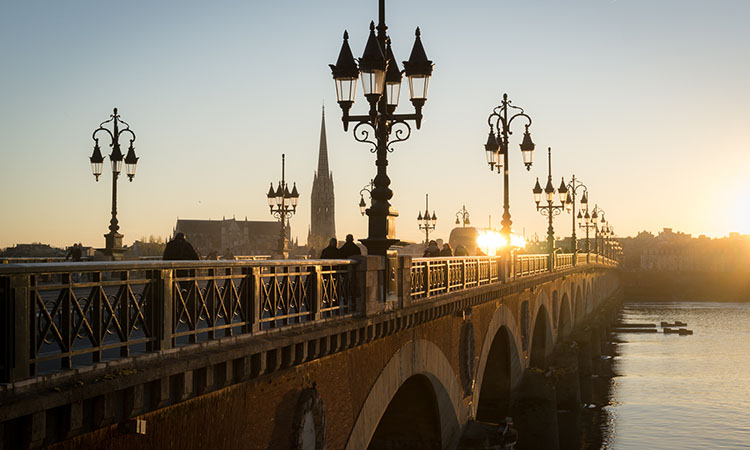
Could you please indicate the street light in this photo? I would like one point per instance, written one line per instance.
(570, 206)
(589, 221)
(550, 210)
(496, 150)
(113, 239)
(462, 217)
(381, 127)
(426, 222)
(362, 205)
(283, 205)
(606, 232)
(597, 213)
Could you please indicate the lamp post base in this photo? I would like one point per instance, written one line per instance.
(382, 230)
(113, 249)
(378, 246)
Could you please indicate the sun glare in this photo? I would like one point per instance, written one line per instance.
(491, 241)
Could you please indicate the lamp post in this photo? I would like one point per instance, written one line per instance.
(551, 209)
(283, 205)
(462, 217)
(596, 214)
(381, 127)
(496, 150)
(570, 206)
(607, 239)
(368, 188)
(587, 223)
(426, 222)
(113, 239)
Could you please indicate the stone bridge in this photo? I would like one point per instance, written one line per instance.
(340, 354)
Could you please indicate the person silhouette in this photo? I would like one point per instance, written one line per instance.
(349, 248)
(330, 252)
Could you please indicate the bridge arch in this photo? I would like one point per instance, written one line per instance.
(419, 367)
(500, 367)
(541, 338)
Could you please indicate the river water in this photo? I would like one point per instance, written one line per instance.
(681, 392)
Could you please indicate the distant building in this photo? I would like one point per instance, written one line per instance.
(241, 237)
(679, 252)
(35, 250)
(322, 215)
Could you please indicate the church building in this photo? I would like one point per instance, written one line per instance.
(322, 217)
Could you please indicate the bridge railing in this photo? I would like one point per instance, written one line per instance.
(59, 316)
(580, 258)
(528, 265)
(433, 276)
(64, 315)
(563, 260)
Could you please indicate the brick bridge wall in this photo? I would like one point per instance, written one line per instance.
(343, 374)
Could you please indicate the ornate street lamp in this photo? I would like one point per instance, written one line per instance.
(550, 210)
(570, 206)
(381, 127)
(113, 239)
(496, 150)
(589, 221)
(283, 205)
(426, 222)
(462, 217)
(597, 213)
(368, 188)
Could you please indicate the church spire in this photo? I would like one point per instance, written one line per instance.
(323, 151)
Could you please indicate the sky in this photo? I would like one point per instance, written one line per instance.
(646, 102)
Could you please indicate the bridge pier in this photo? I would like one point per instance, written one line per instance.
(564, 366)
(582, 338)
(534, 412)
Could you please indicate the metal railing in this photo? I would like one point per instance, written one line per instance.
(527, 265)
(64, 315)
(433, 276)
(563, 260)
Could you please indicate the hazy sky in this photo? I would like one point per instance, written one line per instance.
(647, 102)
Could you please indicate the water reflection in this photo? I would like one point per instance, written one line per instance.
(682, 392)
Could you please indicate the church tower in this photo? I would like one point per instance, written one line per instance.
(322, 220)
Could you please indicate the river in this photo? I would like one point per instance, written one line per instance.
(681, 392)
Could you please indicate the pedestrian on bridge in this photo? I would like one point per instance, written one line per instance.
(75, 253)
(332, 251)
(179, 249)
(447, 250)
(432, 250)
(349, 248)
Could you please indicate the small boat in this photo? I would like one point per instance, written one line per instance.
(681, 331)
(635, 330)
(676, 323)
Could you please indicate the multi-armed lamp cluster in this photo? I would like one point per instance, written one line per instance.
(283, 205)
(113, 239)
(381, 127)
(496, 150)
(567, 195)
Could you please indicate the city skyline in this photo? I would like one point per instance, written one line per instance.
(647, 111)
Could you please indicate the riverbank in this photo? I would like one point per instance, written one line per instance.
(663, 286)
